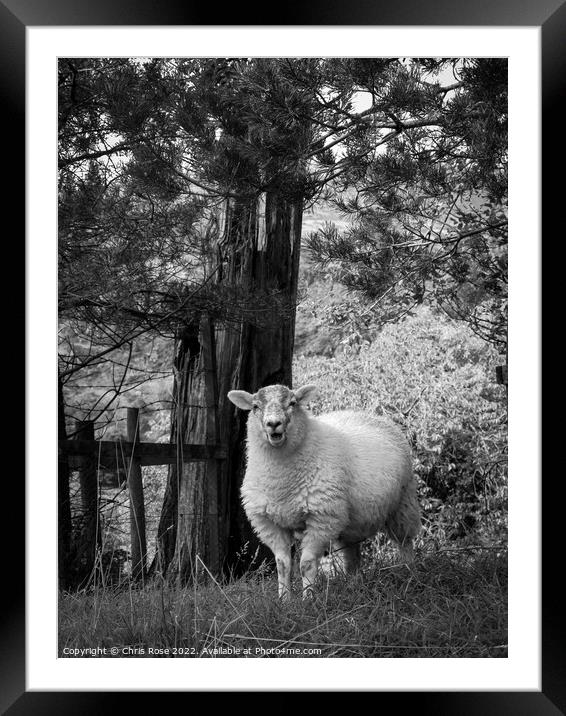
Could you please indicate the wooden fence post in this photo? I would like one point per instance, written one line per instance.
(501, 374)
(212, 432)
(137, 509)
(89, 499)
(64, 521)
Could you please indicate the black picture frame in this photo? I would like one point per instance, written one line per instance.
(550, 16)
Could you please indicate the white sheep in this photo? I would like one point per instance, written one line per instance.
(330, 481)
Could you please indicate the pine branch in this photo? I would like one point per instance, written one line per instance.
(121, 147)
(132, 335)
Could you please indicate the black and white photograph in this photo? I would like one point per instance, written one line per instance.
(282, 361)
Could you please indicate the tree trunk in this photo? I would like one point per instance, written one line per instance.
(258, 253)
(254, 354)
(180, 484)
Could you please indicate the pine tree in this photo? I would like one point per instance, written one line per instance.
(427, 191)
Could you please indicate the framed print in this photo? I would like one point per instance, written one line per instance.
(519, 669)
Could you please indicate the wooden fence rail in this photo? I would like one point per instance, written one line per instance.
(86, 454)
(109, 451)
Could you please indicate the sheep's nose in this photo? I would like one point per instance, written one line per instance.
(273, 424)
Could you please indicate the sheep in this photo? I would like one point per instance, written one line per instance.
(329, 481)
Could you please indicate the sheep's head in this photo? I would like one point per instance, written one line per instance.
(276, 411)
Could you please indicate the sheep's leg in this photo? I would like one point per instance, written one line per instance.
(404, 544)
(352, 557)
(284, 571)
(309, 569)
(344, 558)
(283, 559)
(404, 525)
(279, 542)
(406, 551)
(313, 547)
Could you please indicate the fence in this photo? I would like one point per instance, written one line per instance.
(86, 454)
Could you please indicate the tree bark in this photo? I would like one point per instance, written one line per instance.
(183, 418)
(257, 253)
(254, 354)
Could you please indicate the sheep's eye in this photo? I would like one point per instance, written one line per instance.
(255, 408)
(292, 402)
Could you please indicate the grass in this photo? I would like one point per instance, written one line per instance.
(450, 603)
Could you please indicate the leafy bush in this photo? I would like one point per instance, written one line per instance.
(436, 379)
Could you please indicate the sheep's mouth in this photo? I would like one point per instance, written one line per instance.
(276, 439)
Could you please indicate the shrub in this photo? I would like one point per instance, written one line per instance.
(436, 379)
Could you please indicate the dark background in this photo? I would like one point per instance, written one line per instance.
(15, 15)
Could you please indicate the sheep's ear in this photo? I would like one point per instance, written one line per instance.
(305, 393)
(241, 398)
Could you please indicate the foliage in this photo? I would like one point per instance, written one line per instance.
(140, 374)
(437, 380)
(149, 153)
(427, 192)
